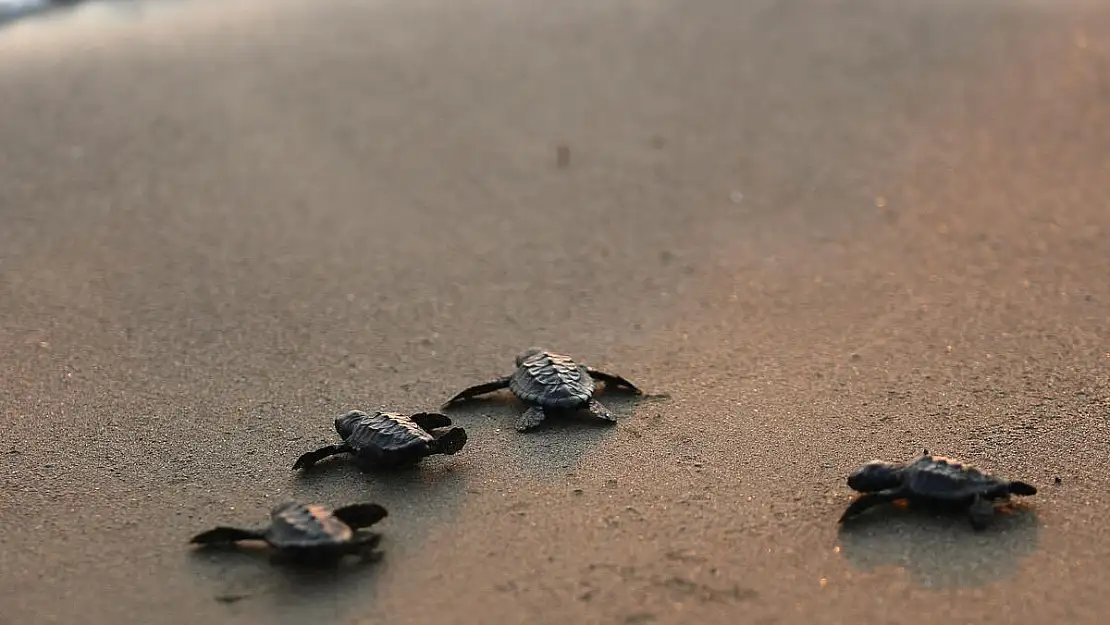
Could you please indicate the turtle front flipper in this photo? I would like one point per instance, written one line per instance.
(430, 420)
(596, 409)
(480, 389)
(530, 419)
(360, 514)
(870, 500)
(363, 545)
(613, 380)
(312, 457)
(448, 441)
(1021, 488)
(226, 535)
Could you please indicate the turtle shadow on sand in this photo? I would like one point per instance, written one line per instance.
(424, 494)
(557, 445)
(260, 580)
(416, 466)
(939, 549)
(419, 498)
(268, 580)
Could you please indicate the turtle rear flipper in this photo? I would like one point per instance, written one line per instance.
(480, 389)
(530, 419)
(596, 409)
(360, 515)
(1023, 489)
(312, 457)
(450, 441)
(226, 535)
(613, 380)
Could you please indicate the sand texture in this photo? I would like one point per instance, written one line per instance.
(830, 231)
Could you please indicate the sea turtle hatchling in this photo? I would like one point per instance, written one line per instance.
(387, 439)
(308, 531)
(933, 480)
(548, 381)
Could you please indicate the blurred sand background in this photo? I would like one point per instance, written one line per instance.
(831, 231)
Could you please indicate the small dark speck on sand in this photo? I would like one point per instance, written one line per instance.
(230, 598)
(1058, 481)
(562, 156)
(578, 491)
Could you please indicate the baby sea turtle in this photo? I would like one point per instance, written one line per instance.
(309, 531)
(934, 480)
(549, 381)
(387, 439)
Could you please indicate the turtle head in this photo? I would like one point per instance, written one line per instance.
(345, 423)
(526, 354)
(875, 476)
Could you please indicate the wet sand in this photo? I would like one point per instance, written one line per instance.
(830, 231)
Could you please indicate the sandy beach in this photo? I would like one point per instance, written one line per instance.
(829, 231)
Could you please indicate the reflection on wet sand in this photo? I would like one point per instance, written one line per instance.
(258, 580)
(418, 497)
(940, 550)
(559, 444)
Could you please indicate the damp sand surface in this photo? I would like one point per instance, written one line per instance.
(829, 231)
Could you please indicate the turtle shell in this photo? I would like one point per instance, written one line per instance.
(552, 380)
(383, 436)
(299, 526)
(936, 477)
